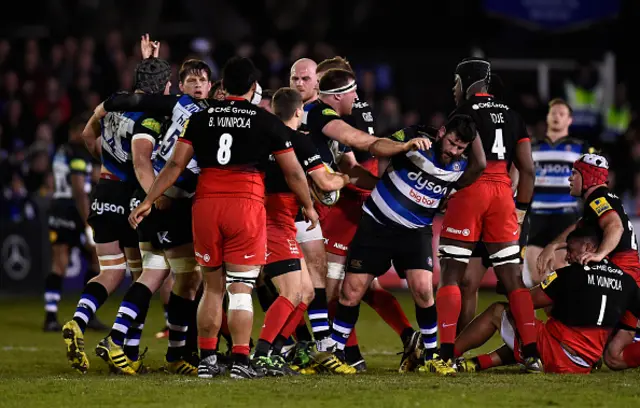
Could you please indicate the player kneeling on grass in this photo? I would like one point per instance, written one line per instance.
(285, 264)
(396, 227)
(587, 302)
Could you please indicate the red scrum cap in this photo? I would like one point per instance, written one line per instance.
(593, 168)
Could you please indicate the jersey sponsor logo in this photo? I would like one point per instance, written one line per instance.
(465, 232)
(604, 268)
(78, 165)
(360, 105)
(422, 183)
(489, 105)
(422, 199)
(339, 246)
(151, 124)
(184, 128)
(231, 109)
(133, 204)
(399, 135)
(600, 206)
(553, 168)
(367, 116)
(101, 208)
(547, 281)
(329, 112)
(162, 237)
(311, 159)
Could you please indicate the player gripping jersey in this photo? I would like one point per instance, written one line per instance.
(587, 302)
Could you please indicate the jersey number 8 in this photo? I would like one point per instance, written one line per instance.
(224, 151)
(498, 145)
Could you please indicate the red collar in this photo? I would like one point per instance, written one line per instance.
(234, 98)
(483, 94)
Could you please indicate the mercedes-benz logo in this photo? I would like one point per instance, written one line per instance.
(15, 257)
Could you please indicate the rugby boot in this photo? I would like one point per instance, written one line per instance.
(438, 366)
(354, 358)
(411, 355)
(533, 365)
(138, 366)
(466, 366)
(279, 360)
(181, 367)
(114, 356)
(210, 367)
(300, 354)
(163, 334)
(246, 370)
(333, 361)
(269, 366)
(51, 326)
(74, 339)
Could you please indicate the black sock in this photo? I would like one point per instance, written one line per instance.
(179, 310)
(302, 333)
(136, 302)
(530, 350)
(352, 354)
(343, 323)
(52, 290)
(262, 348)
(89, 274)
(204, 353)
(319, 314)
(446, 351)
(191, 346)
(240, 358)
(278, 344)
(427, 318)
(93, 296)
(266, 297)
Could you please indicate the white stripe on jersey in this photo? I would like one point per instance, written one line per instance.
(413, 194)
(552, 181)
(389, 213)
(428, 167)
(555, 155)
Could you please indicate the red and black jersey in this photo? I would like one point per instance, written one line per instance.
(232, 140)
(600, 204)
(308, 157)
(500, 129)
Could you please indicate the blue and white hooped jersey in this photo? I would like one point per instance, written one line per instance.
(410, 191)
(183, 108)
(554, 162)
(118, 130)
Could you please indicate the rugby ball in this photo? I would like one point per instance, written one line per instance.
(327, 198)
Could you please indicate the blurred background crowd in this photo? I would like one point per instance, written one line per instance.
(60, 58)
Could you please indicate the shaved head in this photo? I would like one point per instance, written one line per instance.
(304, 78)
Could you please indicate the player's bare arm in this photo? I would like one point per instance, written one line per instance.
(90, 135)
(297, 182)
(539, 298)
(142, 149)
(357, 175)
(523, 161)
(329, 181)
(346, 134)
(182, 154)
(477, 164)
(612, 229)
(547, 256)
(383, 147)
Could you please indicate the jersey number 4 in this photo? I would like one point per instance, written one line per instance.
(498, 145)
(224, 149)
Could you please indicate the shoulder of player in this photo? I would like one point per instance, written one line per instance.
(414, 131)
(152, 123)
(322, 109)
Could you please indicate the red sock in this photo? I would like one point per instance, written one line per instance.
(521, 307)
(448, 306)
(241, 349)
(484, 361)
(388, 307)
(207, 343)
(275, 318)
(295, 319)
(631, 355)
(224, 326)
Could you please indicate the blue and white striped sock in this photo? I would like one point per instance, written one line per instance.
(343, 324)
(428, 322)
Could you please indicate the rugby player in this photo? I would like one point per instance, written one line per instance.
(166, 241)
(232, 140)
(603, 211)
(332, 135)
(72, 171)
(339, 227)
(485, 211)
(553, 208)
(396, 227)
(587, 301)
(111, 205)
(285, 264)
